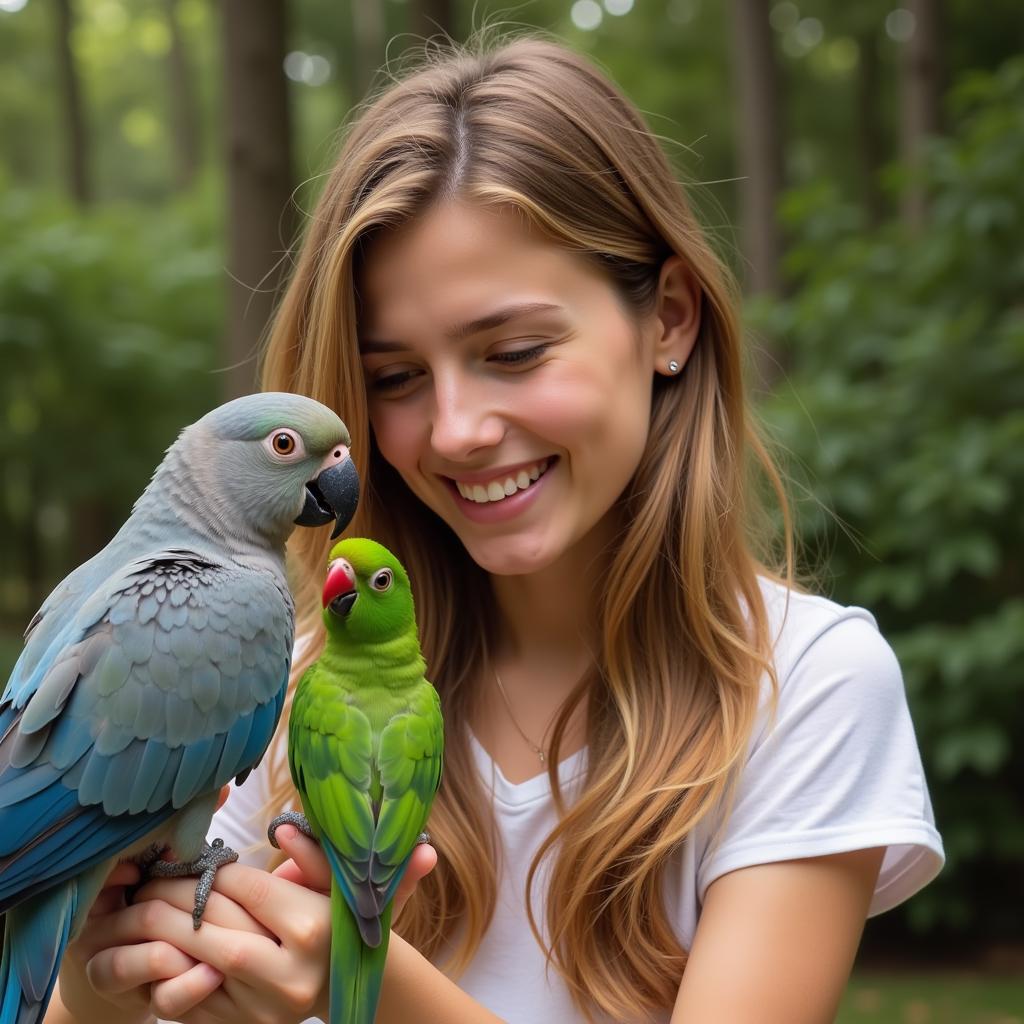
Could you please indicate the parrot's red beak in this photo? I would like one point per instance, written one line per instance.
(340, 581)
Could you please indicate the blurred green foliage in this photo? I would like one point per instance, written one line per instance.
(902, 414)
(901, 398)
(106, 321)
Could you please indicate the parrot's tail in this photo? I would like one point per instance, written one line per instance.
(36, 934)
(356, 969)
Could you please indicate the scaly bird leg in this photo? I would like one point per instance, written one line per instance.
(299, 821)
(215, 855)
(288, 818)
(145, 861)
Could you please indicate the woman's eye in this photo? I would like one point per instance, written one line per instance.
(521, 355)
(392, 381)
(399, 380)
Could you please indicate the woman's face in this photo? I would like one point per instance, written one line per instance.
(508, 386)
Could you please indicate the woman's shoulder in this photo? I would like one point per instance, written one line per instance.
(806, 626)
(830, 661)
(833, 765)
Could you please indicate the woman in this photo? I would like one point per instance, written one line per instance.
(675, 786)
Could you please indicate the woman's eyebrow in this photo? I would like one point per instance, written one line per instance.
(499, 317)
(484, 323)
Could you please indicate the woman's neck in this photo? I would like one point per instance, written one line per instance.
(550, 616)
(547, 642)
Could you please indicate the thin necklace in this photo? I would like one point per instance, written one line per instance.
(533, 746)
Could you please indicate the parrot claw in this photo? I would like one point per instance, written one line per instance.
(423, 837)
(215, 855)
(288, 818)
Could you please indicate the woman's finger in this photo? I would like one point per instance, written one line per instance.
(244, 955)
(291, 871)
(309, 866)
(174, 998)
(220, 910)
(124, 873)
(295, 914)
(121, 968)
(111, 896)
(421, 863)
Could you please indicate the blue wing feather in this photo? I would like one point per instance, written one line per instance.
(32, 949)
(119, 735)
(84, 838)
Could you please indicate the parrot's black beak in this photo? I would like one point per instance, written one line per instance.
(334, 494)
(343, 605)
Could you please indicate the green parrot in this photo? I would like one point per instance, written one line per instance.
(365, 746)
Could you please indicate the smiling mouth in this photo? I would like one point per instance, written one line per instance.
(501, 488)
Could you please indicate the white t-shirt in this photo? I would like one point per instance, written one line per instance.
(839, 771)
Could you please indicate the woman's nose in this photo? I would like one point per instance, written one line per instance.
(465, 418)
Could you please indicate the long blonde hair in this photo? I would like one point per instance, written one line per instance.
(675, 692)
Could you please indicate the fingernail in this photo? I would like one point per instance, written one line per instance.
(287, 832)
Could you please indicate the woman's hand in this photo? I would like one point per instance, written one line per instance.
(262, 953)
(76, 999)
(308, 866)
(125, 999)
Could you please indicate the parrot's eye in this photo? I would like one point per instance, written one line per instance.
(285, 444)
(382, 580)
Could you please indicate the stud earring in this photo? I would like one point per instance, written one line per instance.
(673, 366)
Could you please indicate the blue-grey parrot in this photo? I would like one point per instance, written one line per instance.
(155, 673)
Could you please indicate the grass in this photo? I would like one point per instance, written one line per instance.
(932, 998)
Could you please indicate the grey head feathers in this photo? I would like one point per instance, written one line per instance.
(223, 479)
(252, 417)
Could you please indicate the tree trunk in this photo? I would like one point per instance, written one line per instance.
(433, 17)
(871, 145)
(759, 150)
(759, 142)
(920, 99)
(368, 36)
(259, 181)
(184, 116)
(78, 180)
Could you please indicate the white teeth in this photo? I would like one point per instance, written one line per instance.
(496, 490)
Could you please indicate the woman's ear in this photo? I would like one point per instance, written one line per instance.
(678, 310)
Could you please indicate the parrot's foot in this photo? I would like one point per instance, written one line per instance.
(423, 837)
(214, 856)
(288, 818)
(149, 857)
(145, 861)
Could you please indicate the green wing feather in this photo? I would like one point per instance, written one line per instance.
(366, 806)
(409, 761)
(366, 766)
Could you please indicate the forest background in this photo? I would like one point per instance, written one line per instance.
(859, 165)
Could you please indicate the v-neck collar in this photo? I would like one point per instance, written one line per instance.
(538, 787)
